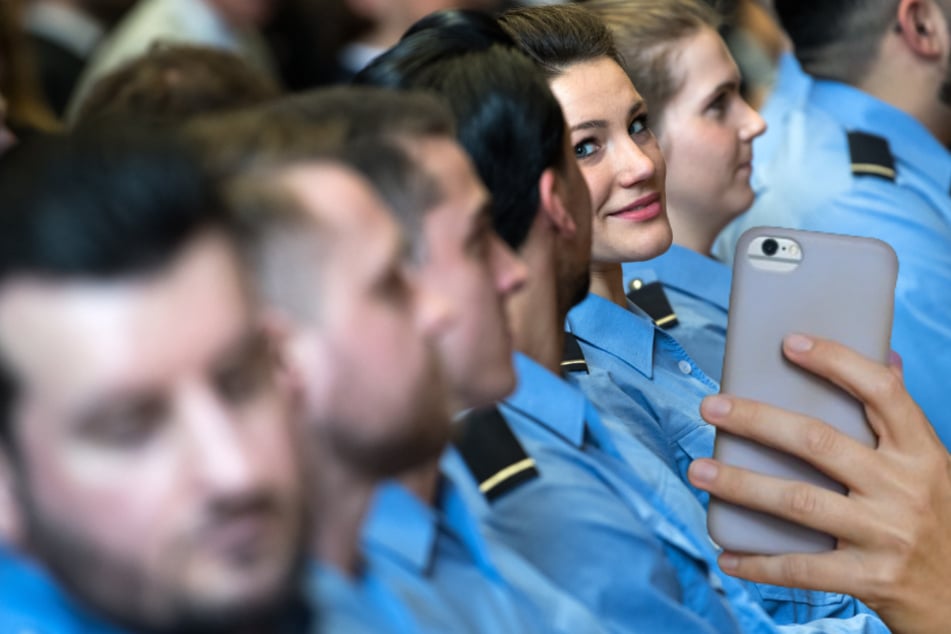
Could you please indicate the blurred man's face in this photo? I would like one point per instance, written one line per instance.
(467, 262)
(153, 464)
(375, 395)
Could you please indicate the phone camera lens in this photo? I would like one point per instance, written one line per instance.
(770, 246)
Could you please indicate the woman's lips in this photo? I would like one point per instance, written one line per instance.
(640, 210)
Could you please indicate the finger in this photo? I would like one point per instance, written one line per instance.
(806, 504)
(832, 571)
(891, 410)
(839, 456)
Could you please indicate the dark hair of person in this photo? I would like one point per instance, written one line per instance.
(557, 36)
(508, 120)
(836, 39)
(171, 82)
(98, 204)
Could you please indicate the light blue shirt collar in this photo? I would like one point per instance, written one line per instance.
(402, 524)
(559, 406)
(540, 396)
(413, 538)
(909, 140)
(625, 333)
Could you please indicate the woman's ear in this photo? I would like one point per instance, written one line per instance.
(551, 196)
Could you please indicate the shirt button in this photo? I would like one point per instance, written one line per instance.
(685, 367)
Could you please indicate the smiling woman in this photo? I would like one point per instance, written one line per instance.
(671, 51)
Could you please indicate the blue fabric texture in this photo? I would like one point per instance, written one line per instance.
(698, 289)
(810, 185)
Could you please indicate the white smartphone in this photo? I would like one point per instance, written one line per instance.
(832, 286)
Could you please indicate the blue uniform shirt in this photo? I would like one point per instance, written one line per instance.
(446, 573)
(592, 526)
(355, 606)
(635, 368)
(811, 186)
(654, 371)
(31, 603)
(608, 489)
(698, 288)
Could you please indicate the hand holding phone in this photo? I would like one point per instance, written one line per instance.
(830, 286)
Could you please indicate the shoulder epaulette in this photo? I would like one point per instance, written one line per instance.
(652, 299)
(572, 357)
(493, 454)
(871, 156)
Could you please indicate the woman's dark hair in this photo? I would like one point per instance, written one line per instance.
(557, 36)
(507, 118)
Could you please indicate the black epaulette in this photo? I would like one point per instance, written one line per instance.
(493, 453)
(871, 156)
(572, 357)
(652, 299)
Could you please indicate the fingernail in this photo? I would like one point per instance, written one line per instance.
(703, 471)
(716, 407)
(799, 343)
(729, 562)
(895, 359)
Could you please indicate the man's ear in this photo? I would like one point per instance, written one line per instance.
(922, 26)
(11, 519)
(551, 196)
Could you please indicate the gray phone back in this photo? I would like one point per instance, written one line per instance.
(843, 289)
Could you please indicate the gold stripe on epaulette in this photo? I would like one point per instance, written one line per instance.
(871, 168)
(572, 362)
(665, 320)
(506, 473)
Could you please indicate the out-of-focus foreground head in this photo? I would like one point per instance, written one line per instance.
(307, 177)
(145, 436)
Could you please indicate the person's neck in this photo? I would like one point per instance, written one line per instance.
(423, 481)
(607, 281)
(914, 90)
(536, 312)
(343, 496)
(691, 234)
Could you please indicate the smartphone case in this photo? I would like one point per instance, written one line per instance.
(842, 289)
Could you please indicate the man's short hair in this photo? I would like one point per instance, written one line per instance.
(509, 121)
(100, 203)
(171, 82)
(370, 130)
(837, 39)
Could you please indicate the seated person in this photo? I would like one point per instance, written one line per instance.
(150, 479)
(865, 153)
(673, 55)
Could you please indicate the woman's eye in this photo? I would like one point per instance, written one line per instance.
(638, 126)
(718, 105)
(585, 149)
